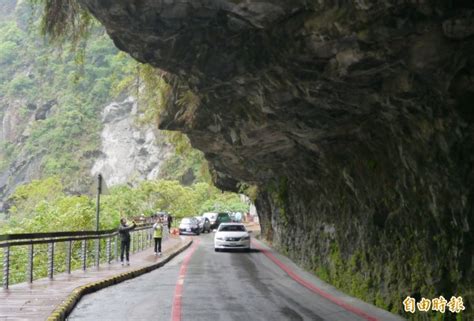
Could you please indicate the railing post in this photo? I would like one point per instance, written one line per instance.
(139, 243)
(84, 255)
(147, 240)
(68, 256)
(145, 237)
(30, 263)
(116, 248)
(108, 250)
(137, 238)
(141, 240)
(6, 266)
(136, 241)
(140, 233)
(97, 252)
(50, 260)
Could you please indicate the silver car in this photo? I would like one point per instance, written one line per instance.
(189, 225)
(204, 224)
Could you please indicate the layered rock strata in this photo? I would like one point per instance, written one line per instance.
(353, 118)
(130, 153)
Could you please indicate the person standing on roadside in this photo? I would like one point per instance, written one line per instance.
(158, 235)
(124, 232)
(170, 220)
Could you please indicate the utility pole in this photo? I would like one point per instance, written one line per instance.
(97, 215)
(97, 210)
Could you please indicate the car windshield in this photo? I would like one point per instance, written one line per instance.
(232, 228)
(186, 221)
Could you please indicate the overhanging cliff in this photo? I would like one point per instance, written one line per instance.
(353, 118)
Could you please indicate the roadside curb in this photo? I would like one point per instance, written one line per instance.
(64, 309)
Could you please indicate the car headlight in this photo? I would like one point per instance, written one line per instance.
(246, 238)
(220, 238)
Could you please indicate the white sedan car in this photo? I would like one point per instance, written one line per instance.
(231, 236)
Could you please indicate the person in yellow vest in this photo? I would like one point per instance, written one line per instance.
(158, 235)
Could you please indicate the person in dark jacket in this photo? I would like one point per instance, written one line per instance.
(170, 220)
(124, 232)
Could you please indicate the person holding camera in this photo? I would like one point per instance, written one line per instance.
(124, 232)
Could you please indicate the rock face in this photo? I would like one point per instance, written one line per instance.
(353, 118)
(129, 152)
(15, 124)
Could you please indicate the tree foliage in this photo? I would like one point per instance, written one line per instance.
(43, 205)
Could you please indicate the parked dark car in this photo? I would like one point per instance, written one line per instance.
(189, 225)
(204, 224)
(221, 218)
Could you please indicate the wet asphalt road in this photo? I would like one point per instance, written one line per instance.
(217, 286)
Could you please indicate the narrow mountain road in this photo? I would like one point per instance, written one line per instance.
(201, 284)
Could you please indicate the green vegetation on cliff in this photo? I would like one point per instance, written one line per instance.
(51, 97)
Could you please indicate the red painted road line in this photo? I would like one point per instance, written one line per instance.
(312, 287)
(178, 291)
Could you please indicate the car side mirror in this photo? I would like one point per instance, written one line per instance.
(249, 232)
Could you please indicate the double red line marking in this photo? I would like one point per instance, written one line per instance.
(312, 287)
(178, 293)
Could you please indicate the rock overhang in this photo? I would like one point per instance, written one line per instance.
(286, 88)
(349, 114)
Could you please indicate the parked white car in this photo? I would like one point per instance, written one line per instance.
(231, 236)
(211, 216)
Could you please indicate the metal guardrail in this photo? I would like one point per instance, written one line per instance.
(141, 238)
